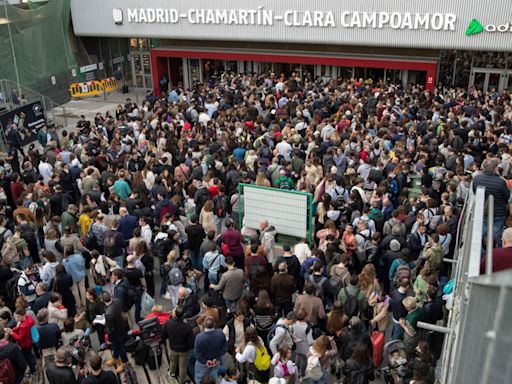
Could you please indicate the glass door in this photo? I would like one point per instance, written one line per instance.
(508, 81)
(479, 79)
(146, 65)
(137, 70)
(485, 79)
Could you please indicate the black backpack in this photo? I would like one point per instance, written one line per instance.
(161, 248)
(221, 206)
(319, 286)
(351, 303)
(2, 240)
(28, 234)
(11, 287)
(110, 245)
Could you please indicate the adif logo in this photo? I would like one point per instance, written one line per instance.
(36, 108)
(475, 27)
(117, 15)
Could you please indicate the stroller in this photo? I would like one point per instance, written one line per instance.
(396, 359)
(80, 345)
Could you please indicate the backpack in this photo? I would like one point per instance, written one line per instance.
(221, 206)
(351, 303)
(110, 245)
(272, 333)
(319, 286)
(340, 196)
(28, 234)
(12, 287)
(377, 217)
(160, 249)
(7, 371)
(336, 282)
(262, 359)
(175, 276)
(436, 257)
(34, 333)
(10, 254)
(403, 272)
(313, 368)
(2, 239)
(284, 184)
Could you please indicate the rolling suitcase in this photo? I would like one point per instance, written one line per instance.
(378, 347)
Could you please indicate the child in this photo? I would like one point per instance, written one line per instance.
(284, 367)
(231, 376)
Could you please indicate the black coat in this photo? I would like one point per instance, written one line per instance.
(116, 324)
(60, 375)
(13, 353)
(62, 283)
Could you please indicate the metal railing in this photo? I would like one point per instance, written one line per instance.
(11, 95)
(470, 330)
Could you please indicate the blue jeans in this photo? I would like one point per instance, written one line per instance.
(212, 276)
(499, 223)
(119, 260)
(197, 262)
(397, 332)
(201, 371)
(219, 224)
(323, 379)
(231, 305)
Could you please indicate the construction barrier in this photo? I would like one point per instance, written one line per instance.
(109, 84)
(89, 88)
(93, 88)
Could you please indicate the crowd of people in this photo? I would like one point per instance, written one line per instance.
(135, 215)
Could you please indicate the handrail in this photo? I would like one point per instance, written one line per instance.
(490, 235)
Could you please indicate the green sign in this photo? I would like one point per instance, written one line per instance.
(474, 28)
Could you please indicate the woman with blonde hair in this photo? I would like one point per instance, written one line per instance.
(324, 348)
(206, 218)
(165, 268)
(367, 280)
(262, 180)
(52, 243)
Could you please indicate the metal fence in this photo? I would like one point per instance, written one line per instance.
(477, 347)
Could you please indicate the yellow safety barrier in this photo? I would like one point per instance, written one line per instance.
(89, 88)
(109, 84)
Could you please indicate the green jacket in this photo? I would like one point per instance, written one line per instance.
(68, 219)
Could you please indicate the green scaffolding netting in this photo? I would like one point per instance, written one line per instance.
(36, 38)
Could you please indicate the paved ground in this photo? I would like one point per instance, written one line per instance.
(70, 112)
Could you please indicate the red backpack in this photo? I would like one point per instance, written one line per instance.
(7, 372)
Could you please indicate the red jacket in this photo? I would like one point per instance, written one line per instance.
(162, 319)
(21, 334)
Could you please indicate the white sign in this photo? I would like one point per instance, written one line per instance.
(54, 80)
(100, 66)
(88, 68)
(292, 18)
(73, 72)
(117, 60)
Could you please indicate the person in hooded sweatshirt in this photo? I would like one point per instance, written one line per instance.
(11, 351)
